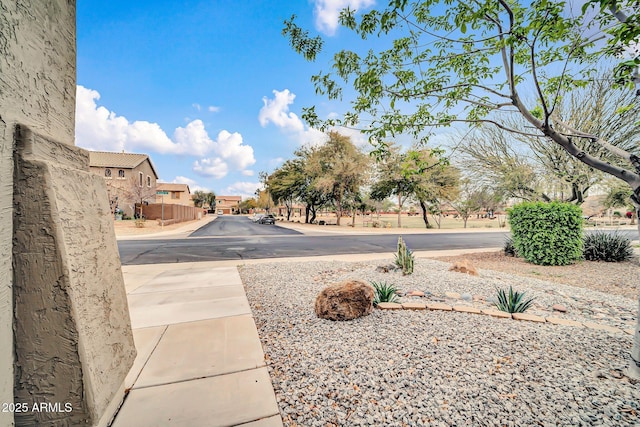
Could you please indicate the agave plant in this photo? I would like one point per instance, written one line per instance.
(508, 248)
(384, 292)
(609, 247)
(513, 302)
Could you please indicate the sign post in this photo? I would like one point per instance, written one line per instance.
(162, 194)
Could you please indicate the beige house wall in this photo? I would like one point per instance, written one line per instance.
(122, 186)
(74, 341)
(176, 198)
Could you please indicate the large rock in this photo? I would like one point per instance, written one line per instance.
(345, 300)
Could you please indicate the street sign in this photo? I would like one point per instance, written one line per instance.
(162, 193)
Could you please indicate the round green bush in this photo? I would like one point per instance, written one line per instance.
(609, 247)
(547, 233)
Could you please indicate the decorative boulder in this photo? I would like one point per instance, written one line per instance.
(464, 266)
(345, 301)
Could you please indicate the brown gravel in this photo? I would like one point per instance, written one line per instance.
(609, 277)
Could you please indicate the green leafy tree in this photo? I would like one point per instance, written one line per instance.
(210, 199)
(417, 173)
(393, 179)
(285, 183)
(247, 204)
(198, 198)
(340, 169)
(307, 192)
(475, 62)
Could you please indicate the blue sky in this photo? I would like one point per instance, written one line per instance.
(210, 90)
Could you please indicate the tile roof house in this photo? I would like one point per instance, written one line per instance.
(174, 194)
(130, 178)
(228, 204)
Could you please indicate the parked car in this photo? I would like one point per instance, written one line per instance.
(267, 219)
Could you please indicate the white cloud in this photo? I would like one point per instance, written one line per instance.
(196, 106)
(97, 128)
(328, 12)
(213, 109)
(244, 189)
(276, 111)
(193, 139)
(211, 168)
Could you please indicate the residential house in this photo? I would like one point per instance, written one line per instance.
(130, 178)
(173, 194)
(228, 204)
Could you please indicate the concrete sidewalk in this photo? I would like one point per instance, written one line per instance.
(200, 361)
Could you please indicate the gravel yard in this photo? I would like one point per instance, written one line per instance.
(415, 368)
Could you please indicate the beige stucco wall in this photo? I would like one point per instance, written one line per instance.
(37, 88)
(73, 342)
(182, 198)
(69, 293)
(122, 187)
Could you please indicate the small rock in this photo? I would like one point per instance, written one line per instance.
(465, 267)
(415, 294)
(467, 297)
(452, 295)
(559, 307)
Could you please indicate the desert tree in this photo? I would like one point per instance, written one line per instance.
(285, 183)
(521, 164)
(339, 168)
(437, 63)
(198, 198)
(468, 201)
(418, 173)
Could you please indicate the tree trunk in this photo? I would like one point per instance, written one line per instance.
(633, 371)
(338, 211)
(353, 218)
(306, 214)
(399, 210)
(423, 206)
(313, 214)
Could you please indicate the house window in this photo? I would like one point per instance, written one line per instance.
(175, 195)
(121, 174)
(107, 173)
(140, 178)
(148, 181)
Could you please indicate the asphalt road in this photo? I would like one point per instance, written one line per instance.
(233, 237)
(237, 238)
(233, 225)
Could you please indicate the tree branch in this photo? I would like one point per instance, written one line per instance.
(608, 146)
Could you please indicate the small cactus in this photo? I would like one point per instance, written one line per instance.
(404, 257)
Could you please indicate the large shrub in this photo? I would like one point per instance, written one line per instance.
(547, 233)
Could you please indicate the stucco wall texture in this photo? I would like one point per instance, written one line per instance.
(69, 294)
(73, 341)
